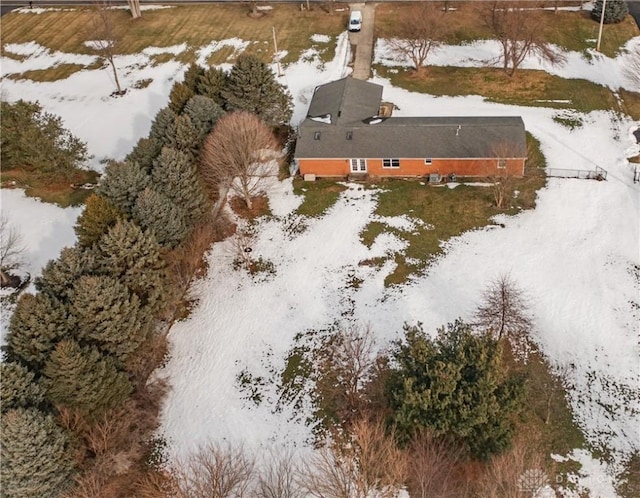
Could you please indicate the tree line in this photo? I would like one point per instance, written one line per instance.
(78, 406)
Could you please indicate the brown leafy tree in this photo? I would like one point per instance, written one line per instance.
(105, 38)
(519, 34)
(419, 31)
(504, 309)
(236, 156)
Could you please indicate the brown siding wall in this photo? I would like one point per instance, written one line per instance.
(415, 167)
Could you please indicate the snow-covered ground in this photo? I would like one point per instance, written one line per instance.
(577, 254)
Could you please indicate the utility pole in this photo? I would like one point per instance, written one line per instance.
(275, 51)
(604, 6)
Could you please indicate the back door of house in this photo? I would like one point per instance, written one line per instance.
(358, 165)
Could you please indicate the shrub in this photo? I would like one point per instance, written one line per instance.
(615, 11)
(37, 141)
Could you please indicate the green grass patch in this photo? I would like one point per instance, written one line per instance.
(527, 87)
(195, 25)
(64, 192)
(318, 196)
(571, 30)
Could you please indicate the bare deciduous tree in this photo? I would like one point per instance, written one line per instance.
(370, 465)
(419, 31)
(278, 477)
(238, 155)
(504, 309)
(215, 471)
(11, 251)
(433, 465)
(106, 38)
(519, 33)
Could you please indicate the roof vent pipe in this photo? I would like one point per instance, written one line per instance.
(458, 130)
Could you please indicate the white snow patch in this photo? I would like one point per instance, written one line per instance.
(172, 49)
(594, 478)
(320, 38)
(204, 53)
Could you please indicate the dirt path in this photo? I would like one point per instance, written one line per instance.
(362, 42)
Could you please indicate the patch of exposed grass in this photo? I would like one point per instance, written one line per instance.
(318, 196)
(630, 103)
(446, 213)
(59, 72)
(527, 87)
(195, 25)
(567, 29)
(64, 192)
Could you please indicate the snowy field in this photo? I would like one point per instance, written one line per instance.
(577, 255)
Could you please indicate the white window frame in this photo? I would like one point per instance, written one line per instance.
(358, 165)
(428, 161)
(390, 163)
(502, 163)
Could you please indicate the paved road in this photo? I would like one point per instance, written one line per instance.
(363, 41)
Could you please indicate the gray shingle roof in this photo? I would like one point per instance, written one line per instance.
(352, 133)
(419, 137)
(346, 100)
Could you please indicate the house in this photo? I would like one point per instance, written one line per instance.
(345, 133)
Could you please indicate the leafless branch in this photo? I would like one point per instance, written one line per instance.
(11, 249)
(632, 68)
(238, 153)
(419, 31)
(105, 37)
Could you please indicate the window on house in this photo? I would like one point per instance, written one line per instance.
(428, 161)
(316, 135)
(391, 163)
(349, 135)
(502, 163)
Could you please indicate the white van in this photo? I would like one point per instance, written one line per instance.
(355, 21)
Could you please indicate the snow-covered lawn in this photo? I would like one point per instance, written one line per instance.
(577, 254)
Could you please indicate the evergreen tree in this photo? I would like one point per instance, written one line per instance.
(145, 151)
(36, 325)
(84, 379)
(175, 176)
(18, 388)
(157, 213)
(58, 276)
(160, 123)
(37, 141)
(614, 12)
(182, 135)
(178, 97)
(204, 113)
(455, 385)
(122, 184)
(98, 216)
(37, 461)
(252, 86)
(108, 316)
(211, 84)
(192, 75)
(132, 256)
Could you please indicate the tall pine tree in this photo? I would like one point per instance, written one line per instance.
(37, 461)
(38, 323)
(145, 151)
(160, 123)
(108, 316)
(133, 256)
(122, 184)
(614, 12)
(84, 379)
(454, 385)
(59, 275)
(204, 114)
(157, 213)
(182, 135)
(178, 97)
(192, 75)
(98, 216)
(211, 84)
(252, 86)
(175, 176)
(19, 388)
